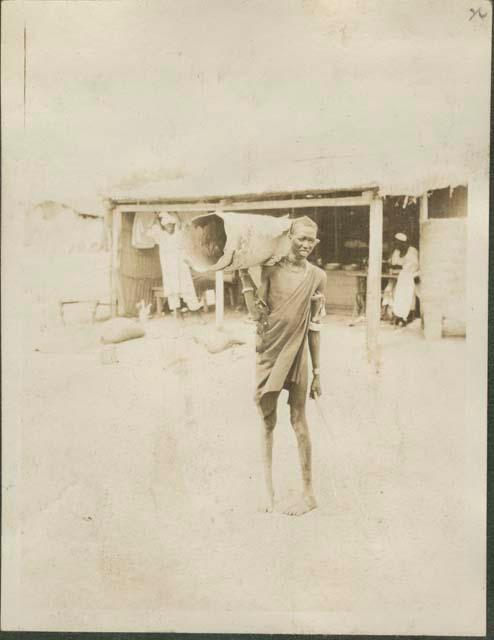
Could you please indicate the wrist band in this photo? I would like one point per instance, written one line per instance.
(316, 372)
(245, 289)
(315, 326)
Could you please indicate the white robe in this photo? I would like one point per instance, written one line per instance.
(404, 293)
(177, 278)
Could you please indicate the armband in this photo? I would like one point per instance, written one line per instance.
(315, 326)
(246, 289)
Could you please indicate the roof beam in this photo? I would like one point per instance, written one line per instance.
(205, 207)
(246, 197)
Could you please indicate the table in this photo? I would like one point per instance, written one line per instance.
(360, 296)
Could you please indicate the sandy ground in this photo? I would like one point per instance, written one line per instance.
(140, 482)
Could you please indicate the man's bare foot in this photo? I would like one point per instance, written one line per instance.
(305, 504)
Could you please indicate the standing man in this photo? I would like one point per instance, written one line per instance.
(177, 278)
(288, 307)
(406, 258)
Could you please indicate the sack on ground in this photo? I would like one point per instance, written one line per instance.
(218, 341)
(120, 330)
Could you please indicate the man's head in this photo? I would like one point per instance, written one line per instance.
(401, 241)
(303, 236)
(167, 221)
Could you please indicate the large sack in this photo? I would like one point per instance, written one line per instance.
(218, 341)
(120, 330)
(232, 241)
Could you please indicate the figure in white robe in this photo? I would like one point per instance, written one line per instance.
(177, 278)
(404, 295)
(399, 296)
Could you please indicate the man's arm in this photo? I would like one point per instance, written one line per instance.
(314, 348)
(154, 232)
(396, 260)
(252, 295)
(315, 337)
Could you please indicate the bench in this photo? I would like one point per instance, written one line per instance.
(94, 302)
(202, 284)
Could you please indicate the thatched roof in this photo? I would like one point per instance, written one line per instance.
(313, 178)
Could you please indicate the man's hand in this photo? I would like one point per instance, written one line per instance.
(315, 387)
(317, 305)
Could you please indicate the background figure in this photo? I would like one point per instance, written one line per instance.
(389, 290)
(177, 277)
(406, 258)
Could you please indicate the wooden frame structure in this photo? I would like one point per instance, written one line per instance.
(357, 196)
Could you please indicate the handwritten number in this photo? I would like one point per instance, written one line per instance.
(477, 12)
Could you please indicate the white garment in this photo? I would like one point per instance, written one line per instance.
(177, 278)
(388, 294)
(404, 293)
(141, 237)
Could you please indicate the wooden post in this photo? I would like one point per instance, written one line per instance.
(424, 208)
(423, 217)
(220, 299)
(109, 247)
(336, 238)
(373, 305)
(115, 261)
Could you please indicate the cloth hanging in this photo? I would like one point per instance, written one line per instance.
(141, 238)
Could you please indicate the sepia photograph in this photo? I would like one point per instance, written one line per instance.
(244, 316)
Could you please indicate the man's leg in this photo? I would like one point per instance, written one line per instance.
(267, 408)
(174, 304)
(299, 423)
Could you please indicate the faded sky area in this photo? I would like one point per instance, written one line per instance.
(224, 96)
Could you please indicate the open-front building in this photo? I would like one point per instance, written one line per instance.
(356, 230)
